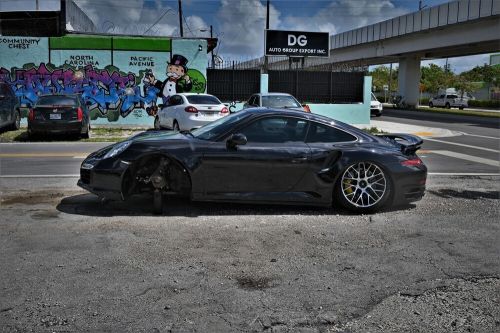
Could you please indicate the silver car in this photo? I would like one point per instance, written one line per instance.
(275, 100)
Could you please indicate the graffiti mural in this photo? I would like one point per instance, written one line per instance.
(113, 83)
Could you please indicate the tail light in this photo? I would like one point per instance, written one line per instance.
(79, 114)
(191, 109)
(224, 110)
(415, 161)
(31, 115)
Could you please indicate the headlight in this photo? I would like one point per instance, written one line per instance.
(117, 149)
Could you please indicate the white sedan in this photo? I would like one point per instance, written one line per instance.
(187, 111)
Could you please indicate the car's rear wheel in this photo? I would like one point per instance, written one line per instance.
(157, 123)
(431, 105)
(460, 107)
(176, 127)
(17, 121)
(448, 106)
(363, 187)
(86, 134)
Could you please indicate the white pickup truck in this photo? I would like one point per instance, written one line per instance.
(449, 101)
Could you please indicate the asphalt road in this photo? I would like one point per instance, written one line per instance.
(475, 151)
(71, 263)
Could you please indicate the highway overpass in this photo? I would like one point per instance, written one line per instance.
(457, 28)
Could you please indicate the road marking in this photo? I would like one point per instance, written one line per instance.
(23, 155)
(464, 145)
(40, 176)
(482, 136)
(467, 157)
(424, 133)
(469, 174)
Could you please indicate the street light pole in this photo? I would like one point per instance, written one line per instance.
(211, 37)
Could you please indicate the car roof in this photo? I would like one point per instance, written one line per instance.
(273, 94)
(191, 94)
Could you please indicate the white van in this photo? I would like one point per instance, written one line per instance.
(375, 106)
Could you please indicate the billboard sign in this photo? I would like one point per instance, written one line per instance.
(297, 43)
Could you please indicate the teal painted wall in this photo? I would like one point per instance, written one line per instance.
(347, 113)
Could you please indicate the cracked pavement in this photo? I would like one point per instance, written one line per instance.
(71, 263)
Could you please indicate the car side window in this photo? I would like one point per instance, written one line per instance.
(251, 101)
(441, 96)
(321, 133)
(174, 100)
(276, 130)
(257, 100)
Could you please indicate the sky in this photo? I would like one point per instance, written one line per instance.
(239, 24)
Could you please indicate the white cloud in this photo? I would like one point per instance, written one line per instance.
(343, 15)
(243, 23)
(461, 64)
(131, 16)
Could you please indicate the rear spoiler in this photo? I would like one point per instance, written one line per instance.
(408, 143)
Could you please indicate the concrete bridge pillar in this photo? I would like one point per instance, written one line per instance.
(409, 79)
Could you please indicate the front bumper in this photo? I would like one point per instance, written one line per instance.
(103, 177)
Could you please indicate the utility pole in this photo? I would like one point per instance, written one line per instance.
(211, 37)
(180, 19)
(421, 5)
(266, 64)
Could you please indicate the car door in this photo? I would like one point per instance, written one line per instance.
(267, 168)
(5, 105)
(167, 113)
(326, 143)
(440, 100)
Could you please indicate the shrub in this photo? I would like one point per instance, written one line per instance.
(484, 104)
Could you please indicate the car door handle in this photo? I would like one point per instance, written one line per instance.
(299, 159)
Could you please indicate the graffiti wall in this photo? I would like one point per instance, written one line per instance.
(122, 79)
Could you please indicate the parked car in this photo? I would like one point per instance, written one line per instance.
(449, 101)
(375, 106)
(263, 155)
(275, 100)
(184, 112)
(60, 113)
(10, 116)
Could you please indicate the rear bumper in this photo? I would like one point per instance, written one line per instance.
(57, 126)
(410, 186)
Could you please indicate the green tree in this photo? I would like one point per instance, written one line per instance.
(486, 73)
(435, 77)
(380, 77)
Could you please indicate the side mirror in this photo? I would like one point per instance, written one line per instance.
(237, 139)
(88, 103)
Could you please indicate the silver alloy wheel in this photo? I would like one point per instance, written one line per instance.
(363, 184)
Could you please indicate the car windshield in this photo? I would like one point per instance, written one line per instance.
(57, 100)
(280, 101)
(218, 127)
(203, 99)
(374, 98)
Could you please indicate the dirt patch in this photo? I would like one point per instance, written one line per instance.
(33, 198)
(255, 283)
(45, 215)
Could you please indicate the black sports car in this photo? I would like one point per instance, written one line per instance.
(263, 155)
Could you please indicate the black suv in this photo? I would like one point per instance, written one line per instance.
(10, 116)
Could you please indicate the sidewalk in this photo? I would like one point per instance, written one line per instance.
(422, 131)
